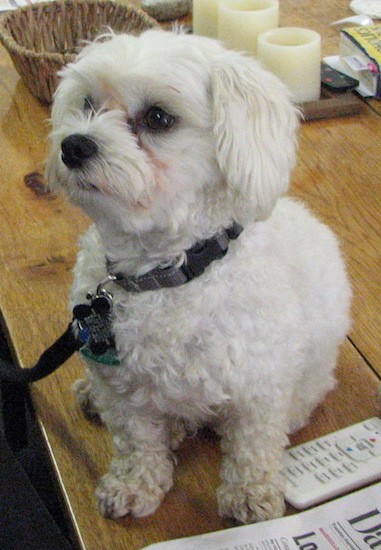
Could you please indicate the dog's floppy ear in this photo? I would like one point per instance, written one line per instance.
(255, 126)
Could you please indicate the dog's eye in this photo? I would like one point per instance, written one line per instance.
(158, 119)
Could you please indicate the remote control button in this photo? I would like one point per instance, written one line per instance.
(295, 471)
(350, 466)
(323, 460)
(309, 466)
(355, 449)
(306, 450)
(297, 454)
(336, 455)
(324, 444)
(323, 477)
(290, 481)
(336, 472)
(292, 454)
(372, 426)
(300, 453)
(375, 445)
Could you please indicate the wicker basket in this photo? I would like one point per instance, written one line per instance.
(41, 38)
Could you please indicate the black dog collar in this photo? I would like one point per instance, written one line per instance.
(197, 259)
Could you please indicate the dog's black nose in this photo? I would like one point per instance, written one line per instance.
(76, 149)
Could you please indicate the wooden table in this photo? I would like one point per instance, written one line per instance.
(338, 175)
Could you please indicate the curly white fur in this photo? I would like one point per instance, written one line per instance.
(251, 345)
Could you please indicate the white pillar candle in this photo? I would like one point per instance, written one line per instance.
(205, 17)
(294, 55)
(241, 21)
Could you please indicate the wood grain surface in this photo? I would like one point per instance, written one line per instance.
(337, 174)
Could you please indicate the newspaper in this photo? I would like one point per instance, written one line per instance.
(352, 522)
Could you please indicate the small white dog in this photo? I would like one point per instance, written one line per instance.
(174, 146)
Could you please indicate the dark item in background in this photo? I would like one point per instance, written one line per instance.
(335, 80)
(32, 515)
(166, 10)
(331, 105)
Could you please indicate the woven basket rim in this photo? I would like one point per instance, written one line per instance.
(10, 43)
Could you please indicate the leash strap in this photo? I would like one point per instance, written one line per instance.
(52, 358)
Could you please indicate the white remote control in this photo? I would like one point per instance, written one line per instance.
(334, 464)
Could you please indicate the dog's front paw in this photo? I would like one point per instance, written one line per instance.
(120, 497)
(250, 503)
(83, 395)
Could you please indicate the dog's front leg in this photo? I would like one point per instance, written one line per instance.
(141, 471)
(252, 485)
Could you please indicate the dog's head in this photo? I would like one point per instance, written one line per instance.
(166, 131)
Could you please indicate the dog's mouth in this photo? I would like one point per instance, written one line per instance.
(84, 185)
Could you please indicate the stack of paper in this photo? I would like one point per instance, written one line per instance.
(352, 522)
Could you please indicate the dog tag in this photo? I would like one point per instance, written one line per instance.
(95, 328)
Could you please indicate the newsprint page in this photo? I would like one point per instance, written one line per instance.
(352, 522)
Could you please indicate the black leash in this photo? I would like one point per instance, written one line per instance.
(50, 360)
(90, 331)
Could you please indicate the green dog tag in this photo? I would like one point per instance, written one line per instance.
(109, 358)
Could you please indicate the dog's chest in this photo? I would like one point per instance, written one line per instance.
(167, 354)
(171, 343)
